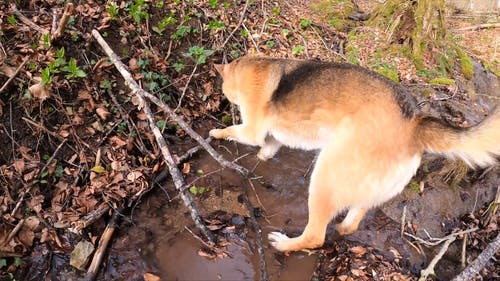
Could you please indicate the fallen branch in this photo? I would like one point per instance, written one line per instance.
(479, 26)
(436, 241)
(258, 233)
(13, 232)
(480, 262)
(172, 167)
(103, 244)
(25, 20)
(15, 74)
(430, 268)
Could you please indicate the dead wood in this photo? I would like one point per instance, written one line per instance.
(68, 11)
(15, 74)
(479, 26)
(25, 20)
(480, 262)
(258, 233)
(103, 244)
(172, 167)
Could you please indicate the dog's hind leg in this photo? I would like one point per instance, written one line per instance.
(351, 221)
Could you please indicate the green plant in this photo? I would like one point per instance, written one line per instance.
(113, 10)
(47, 76)
(178, 66)
(12, 20)
(216, 25)
(46, 41)
(162, 25)
(213, 3)
(137, 11)
(198, 190)
(159, 4)
(72, 70)
(298, 49)
(181, 32)
(199, 54)
(270, 44)
(304, 23)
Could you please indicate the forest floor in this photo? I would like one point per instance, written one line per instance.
(77, 156)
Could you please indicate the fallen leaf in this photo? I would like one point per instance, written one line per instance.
(103, 113)
(81, 254)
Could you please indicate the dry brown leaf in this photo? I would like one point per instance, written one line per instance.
(19, 165)
(39, 91)
(103, 113)
(186, 168)
(117, 142)
(358, 250)
(8, 71)
(132, 64)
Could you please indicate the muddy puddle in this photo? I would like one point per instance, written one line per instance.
(170, 251)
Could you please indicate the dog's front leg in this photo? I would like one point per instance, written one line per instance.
(241, 133)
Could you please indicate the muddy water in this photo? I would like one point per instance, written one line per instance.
(173, 252)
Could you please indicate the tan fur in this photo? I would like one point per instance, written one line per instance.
(370, 143)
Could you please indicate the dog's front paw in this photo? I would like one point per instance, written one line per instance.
(217, 133)
(278, 240)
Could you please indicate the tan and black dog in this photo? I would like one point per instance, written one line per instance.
(370, 136)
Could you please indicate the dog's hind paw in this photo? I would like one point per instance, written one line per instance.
(278, 240)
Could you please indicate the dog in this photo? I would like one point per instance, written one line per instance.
(369, 132)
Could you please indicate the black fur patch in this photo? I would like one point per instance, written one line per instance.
(311, 69)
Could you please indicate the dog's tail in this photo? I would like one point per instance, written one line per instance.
(477, 145)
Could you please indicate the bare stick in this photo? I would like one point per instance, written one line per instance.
(172, 167)
(188, 154)
(258, 233)
(237, 26)
(13, 232)
(403, 218)
(430, 268)
(185, 87)
(15, 74)
(103, 244)
(68, 11)
(480, 262)
(479, 26)
(436, 241)
(25, 20)
(91, 217)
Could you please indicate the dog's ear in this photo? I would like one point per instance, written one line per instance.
(220, 68)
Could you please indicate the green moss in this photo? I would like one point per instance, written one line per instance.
(227, 120)
(442, 81)
(466, 65)
(336, 12)
(413, 186)
(493, 67)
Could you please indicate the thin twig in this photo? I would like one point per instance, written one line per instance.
(479, 26)
(25, 20)
(237, 26)
(15, 74)
(480, 262)
(403, 218)
(436, 241)
(430, 268)
(185, 87)
(258, 233)
(13, 232)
